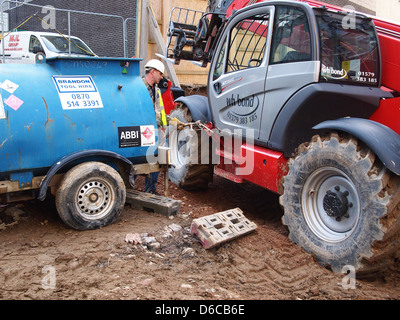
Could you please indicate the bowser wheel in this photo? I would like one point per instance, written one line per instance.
(342, 205)
(91, 196)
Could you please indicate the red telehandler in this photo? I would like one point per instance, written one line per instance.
(309, 95)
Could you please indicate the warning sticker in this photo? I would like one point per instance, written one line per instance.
(14, 102)
(139, 136)
(2, 113)
(9, 86)
(77, 92)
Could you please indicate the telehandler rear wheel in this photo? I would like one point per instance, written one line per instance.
(91, 195)
(342, 205)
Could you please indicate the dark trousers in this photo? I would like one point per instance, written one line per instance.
(151, 182)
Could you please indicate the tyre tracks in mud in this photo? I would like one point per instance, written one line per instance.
(266, 262)
(99, 264)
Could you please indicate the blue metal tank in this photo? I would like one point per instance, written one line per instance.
(80, 126)
(52, 109)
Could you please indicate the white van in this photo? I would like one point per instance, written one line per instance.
(22, 46)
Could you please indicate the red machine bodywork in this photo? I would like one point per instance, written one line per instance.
(389, 114)
(270, 166)
(255, 164)
(168, 99)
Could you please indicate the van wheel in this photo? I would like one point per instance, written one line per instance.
(91, 196)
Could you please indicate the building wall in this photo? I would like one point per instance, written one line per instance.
(366, 6)
(389, 9)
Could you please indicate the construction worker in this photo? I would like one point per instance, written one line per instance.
(154, 71)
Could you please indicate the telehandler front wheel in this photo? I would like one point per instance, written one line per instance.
(91, 196)
(342, 205)
(190, 173)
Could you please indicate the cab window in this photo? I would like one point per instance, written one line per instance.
(247, 43)
(219, 67)
(348, 53)
(291, 41)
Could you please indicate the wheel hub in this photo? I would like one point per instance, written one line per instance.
(336, 203)
(93, 197)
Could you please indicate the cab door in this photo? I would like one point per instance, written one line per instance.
(236, 83)
(293, 63)
(268, 53)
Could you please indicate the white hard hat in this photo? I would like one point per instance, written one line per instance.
(155, 64)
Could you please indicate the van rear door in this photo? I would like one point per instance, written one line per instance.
(13, 48)
(21, 47)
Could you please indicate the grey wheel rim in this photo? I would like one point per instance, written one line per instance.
(94, 199)
(331, 204)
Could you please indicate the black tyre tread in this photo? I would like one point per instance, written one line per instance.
(387, 249)
(196, 176)
(376, 250)
(64, 202)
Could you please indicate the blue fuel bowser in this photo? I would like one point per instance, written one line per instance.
(76, 127)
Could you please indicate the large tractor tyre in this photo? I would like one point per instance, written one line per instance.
(194, 169)
(91, 196)
(342, 205)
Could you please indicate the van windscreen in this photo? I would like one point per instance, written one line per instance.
(60, 44)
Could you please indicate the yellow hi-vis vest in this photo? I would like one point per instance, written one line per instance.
(163, 116)
(158, 104)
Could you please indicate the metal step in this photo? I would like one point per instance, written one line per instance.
(153, 203)
(221, 227)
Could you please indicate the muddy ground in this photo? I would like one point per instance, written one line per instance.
(41, 258)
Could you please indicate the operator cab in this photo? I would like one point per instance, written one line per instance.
(270, 51)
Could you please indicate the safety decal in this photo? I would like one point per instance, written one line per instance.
(2, 113)
(138, 136)
(77, 92)
(13, 102)
(9, 86)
